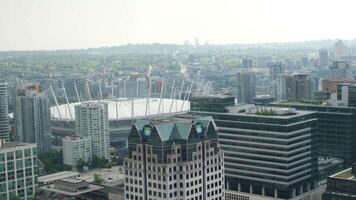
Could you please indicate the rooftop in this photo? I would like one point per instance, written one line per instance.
(174, 128)
(266, 111)
(14, 145)
(346, 174)
(125, 108)
(51, 188)
(57, 176)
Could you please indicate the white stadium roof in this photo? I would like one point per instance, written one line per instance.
(122, 108)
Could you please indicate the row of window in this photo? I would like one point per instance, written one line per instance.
(18, 154)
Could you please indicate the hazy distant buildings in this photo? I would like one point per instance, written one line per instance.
(75, 149)
(340, 49)
(323, 58)
(246, 63)
(176, 158)
(340, 70)
(32, 118)
(262, 61)
(91, 120)
(4, 117)
(18, 170)
(331, 85)
(298, 87)
(246, 86)
(275, 69)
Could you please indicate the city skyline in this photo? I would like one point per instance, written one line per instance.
(39, 25)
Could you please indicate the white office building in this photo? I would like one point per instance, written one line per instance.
(75, 149)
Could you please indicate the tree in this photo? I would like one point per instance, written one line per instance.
(15, 198)
(98, 179)
(52, 161)
(98, 162)
(81, 164)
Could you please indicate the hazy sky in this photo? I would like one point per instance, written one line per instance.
(64, 24)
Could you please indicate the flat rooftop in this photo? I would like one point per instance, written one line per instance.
(346, 174)
(57, 176)
(13, 145)
(51, 188)
(266, 111)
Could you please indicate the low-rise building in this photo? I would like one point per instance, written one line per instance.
(342, 185)
(75, 149)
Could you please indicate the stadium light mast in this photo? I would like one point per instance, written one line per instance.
(76, 91)
(100, 92)
(55, 100)
(88, 90)
(124, 92)
(136, 87)
(181, 89)
(172, 100)
(187, 96)
(171, 96)
(65, 95)
(112, 88)
(160, 98)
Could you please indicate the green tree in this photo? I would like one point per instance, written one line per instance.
(98, 179)
(15, 198)
(81, 164)
(53, 161)
(98, 162)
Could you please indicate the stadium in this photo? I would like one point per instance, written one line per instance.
(122, 113)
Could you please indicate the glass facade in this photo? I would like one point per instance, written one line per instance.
(18, 171)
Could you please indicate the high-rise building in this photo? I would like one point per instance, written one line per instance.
(246, 63)
(4, 118)
(175, 158)
(246, 86)
(268, 151)
(275, 70)
(323, 58)
(340, 49)
(336, 130)
(18, 170)
(91, 120)
(331, 85)
(340, 70)
(75, 149)
(32, 118)
(346, 94)
(298, 87)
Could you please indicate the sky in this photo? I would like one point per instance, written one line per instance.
(72, 24)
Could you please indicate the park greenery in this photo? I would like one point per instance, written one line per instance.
(53, 162)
